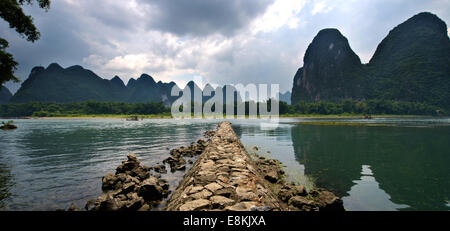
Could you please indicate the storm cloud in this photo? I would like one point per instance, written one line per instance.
(202, 17)
(222, 41)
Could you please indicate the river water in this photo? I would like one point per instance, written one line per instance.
(49, 164)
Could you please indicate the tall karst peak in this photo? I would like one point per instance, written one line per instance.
(425, 19)
(330, 72)
(410, 64)
(414, 35)
(145, 78)
(131, 83)
(117, 81)
(75, 68)
(413, 62)
(54, 67)
(330, 47)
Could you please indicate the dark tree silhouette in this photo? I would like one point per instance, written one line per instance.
(11, 11)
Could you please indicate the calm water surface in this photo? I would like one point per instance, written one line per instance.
(48, 164)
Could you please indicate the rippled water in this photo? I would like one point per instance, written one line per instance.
(48, 164)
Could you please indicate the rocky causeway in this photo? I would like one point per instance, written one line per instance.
(223, 178)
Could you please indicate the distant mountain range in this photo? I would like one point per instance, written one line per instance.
(286, 97)
(76, 84)
(411, 64)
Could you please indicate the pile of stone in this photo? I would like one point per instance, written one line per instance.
(226, 178)
(296, 197)
(176, 160)
(209, 133)
(8, 125)
(270, 169)
(132, 187)
(223, 178)
(315, 200)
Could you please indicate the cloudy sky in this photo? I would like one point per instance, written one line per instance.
(221, 41)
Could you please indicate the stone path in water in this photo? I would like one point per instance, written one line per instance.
(224, 177)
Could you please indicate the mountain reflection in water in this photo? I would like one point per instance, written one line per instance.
(48, 164)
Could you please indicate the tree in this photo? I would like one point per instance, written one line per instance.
(11, 11)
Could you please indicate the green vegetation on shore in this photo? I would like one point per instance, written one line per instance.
(89, 109)
(340, 123)
(345, 109)
(367, 107)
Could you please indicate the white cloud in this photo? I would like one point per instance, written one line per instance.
(281, 13)
(321, 8)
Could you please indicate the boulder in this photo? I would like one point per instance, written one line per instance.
(150, 189)
(160, 169)
(8, 127)
(128, 165)
(175, 163)
(300, 190)
(271, 176)
(109, 182)
(285, 194)
(302, 203)
(128, 187)
(140, 172)
(133, 203)
(91, 205)
(73, 208)
(327, 201)
(109, 203)
(132, 157)
(164, 184)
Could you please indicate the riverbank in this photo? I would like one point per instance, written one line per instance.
(348, 116)
(169, 116)
(223, 178)
(96, 116)
(341, 123)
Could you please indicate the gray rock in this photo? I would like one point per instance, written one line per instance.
(301, 203)
(271, 176)
(160, 168)
(150, 189)
(91, 205)
(109, 181)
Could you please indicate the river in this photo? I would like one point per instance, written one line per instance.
(48, 164)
